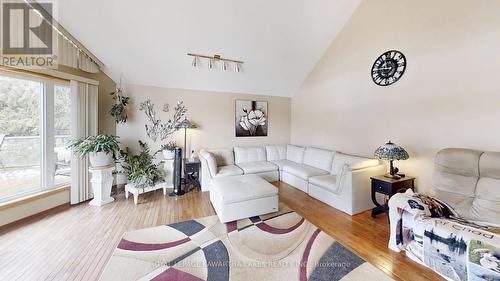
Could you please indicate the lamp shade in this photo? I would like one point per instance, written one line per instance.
(391, 151)
(185, 124)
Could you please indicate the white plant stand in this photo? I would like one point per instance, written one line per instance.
(102, 181)
(130, 188)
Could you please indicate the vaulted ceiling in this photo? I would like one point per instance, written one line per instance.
(146, 41)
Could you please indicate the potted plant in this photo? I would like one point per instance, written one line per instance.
(140, 169)
(168, 150)
(119, 109)
(101, 149)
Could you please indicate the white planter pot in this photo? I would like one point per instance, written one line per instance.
(100, 159)
(121, 175)
(168, 154)
(121, 179)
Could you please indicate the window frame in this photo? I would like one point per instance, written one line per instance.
(47, 133)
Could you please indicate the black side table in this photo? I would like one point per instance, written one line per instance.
(388, 187)
(192, 173)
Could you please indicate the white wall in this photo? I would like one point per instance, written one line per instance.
(212, 112)
(448, 97)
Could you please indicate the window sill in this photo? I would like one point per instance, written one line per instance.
(32, 197)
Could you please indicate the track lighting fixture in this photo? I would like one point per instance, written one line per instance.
(213, 59)
(195, 61)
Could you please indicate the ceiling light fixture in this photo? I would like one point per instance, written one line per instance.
(213, 59)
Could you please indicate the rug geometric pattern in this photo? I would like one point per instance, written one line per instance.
(278, 246)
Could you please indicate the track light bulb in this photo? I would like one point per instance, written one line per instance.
(210, 63)
(224, 65)
(195, 61)
(237, 67)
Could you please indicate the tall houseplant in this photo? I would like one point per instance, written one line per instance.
(140, 168)
(101, 149)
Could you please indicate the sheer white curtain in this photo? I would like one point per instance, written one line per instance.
(84, 120)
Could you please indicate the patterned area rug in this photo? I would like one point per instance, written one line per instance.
(278, 246)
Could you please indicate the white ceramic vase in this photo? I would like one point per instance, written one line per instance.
(121, 175)
(100, 159)
(168, 154)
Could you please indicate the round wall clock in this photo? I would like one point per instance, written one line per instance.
(388, 68)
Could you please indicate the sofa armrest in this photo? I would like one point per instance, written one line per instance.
(360, 176)
(206, 175)
(356, 184)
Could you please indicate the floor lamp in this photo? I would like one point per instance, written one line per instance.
(185, 124)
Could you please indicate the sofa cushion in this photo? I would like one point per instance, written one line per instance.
(249, 154)
(295, 153)
(211, 162)
(456, 171)
(328, 182)
(258, 167)
(303, 171)
(352, 162)
(228, 171)
(282, 163)
(486, 204)
(456, 174)
(242, 188)
(318, 158)
(275, 152)
(223, 156)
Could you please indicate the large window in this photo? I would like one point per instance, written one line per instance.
(34, 132)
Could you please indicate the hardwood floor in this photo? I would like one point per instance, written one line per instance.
(75, 243)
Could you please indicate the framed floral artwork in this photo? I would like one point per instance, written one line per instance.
(251, 118)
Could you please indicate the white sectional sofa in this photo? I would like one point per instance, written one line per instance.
(340, 180)
(253, 160)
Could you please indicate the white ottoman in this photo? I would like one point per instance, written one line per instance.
(242, 197)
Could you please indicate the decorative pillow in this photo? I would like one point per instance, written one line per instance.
(223, 156)
(211, 161)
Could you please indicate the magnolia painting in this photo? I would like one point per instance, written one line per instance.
(251, 118)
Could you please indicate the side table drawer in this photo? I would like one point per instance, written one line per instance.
(381, 187)
(192, 167)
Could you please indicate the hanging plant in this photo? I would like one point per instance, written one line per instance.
(119, 109)
(158, 129)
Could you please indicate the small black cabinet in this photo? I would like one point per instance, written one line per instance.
(388, 187)
(192, 172)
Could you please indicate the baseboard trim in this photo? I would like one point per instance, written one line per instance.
(32, 197)
(13, 225)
